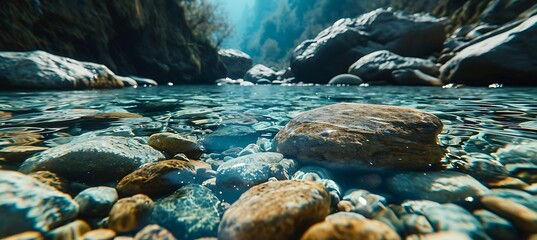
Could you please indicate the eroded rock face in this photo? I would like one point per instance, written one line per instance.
(347, 40)
(122, 35)
(275, 210)
(237, 62)
(29, 205)
(363, 136)
(380, 65)
(97, 159)
(41, 70)
(508, 58)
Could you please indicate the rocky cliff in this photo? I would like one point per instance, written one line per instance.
(131, 37)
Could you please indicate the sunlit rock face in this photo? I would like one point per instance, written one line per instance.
(507, 58)
(150, 39)
(362, 136)
(347, 40)
(41, 70)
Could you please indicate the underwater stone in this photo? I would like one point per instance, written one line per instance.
(176, 212)
(154, 231)
(451, 217)
(173, 144)
(442, 187)
(96, 201)
(70, 231)
(363, 136)
(28, 205)
(230, 136)
(99, 234)
(98, 159)
(495, 226)
(522, 217)
(129, 214)
(348, 228)
(275, 210)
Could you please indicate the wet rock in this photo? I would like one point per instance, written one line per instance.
(446, 235)
(416, 224)
(154, 231)
(42, 70)
(345, 79)
(522, 217)
(259, 72)
(17, 154)
(451, 217)
(363, 136)
(313, 173)
(69, 231)
(349, 228)
(5, 115)
(26, 236)
(415, 78)
(514, 195)
(380, 65)
(51, 179)
(173, 144)
(175, 212)
(495, 226)
(345, 215)
(99, 234)
(226, 137)
(507, 182)
(250, 149)
(100, 159)
(32, 206)
(236, 62)
(442, 187)
(163, 177)
(129, 214)
(518, 153)
(347, 40)
(362, 202)
(275, 210)
(96, 201)
(501, 59)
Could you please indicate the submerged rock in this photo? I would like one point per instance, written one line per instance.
(363, 136)
(236, 62)
(226, 137)
(442, 187)
(275, 210)
(506, 58)
(347, 228)
(162, 177)
(347, 40)
(99, 159)
(96, 201)
(189, 213)
(73, 230)
(28, 205)
(129, 214)
(17, 154)
(380, 66)
(345, 79)
(41, 70)
(154, 231)
(174, 144)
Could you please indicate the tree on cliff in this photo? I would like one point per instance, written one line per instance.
(206, 19)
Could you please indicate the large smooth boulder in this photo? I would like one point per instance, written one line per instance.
(348, 228)
(275, 210)
(347, 40)
(363, 136)
(380, 66)
(236, 62)
(260, 72)
(509, 58)
(98, 159)
(42, 70)
(28, 205)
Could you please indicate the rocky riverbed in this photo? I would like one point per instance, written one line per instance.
(336, 171)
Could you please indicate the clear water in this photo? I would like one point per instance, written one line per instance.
(475, 119)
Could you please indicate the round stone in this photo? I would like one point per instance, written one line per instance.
(99, 234)
(154, 231)
(348, 228)
(275, 210)
(96, 201)
(130, 213)
(363, 136)
(174, 144)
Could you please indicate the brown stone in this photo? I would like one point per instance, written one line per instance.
(343, 228)
(99, 234)
(174, 144)
(5, 115)
(440, 236)
(31, 235)
(275, 210)
(160, 177)
(154, 232)
(522, 217)
(17, 154)
(129, 214)
(361, 136)
(51, 179)
(71, 231)
(508, 182)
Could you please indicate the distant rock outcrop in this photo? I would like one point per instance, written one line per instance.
(150, 39)
(337, 47)
(236, 62)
